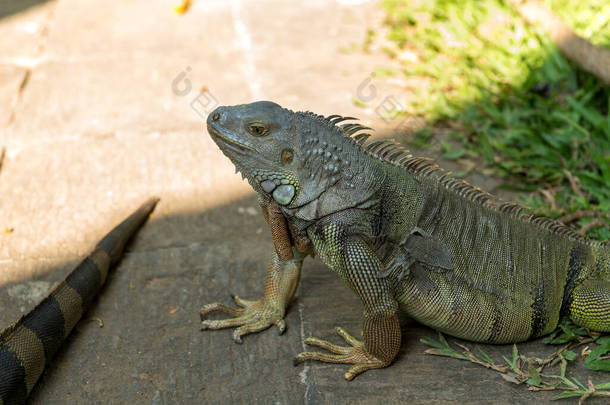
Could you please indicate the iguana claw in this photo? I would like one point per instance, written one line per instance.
(252, 316)
(356, 354)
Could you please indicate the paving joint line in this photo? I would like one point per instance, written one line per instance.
(2, 155)
(40, 51)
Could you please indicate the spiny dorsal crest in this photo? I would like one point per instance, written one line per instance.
(391, 152)
(386, 150)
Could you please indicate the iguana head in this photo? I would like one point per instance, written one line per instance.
(292, 157)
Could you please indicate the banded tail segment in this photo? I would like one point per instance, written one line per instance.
(28, 346)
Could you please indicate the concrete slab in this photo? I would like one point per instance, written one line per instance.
(23, 30)
(300, 57)
(68, 192)
(120, 29)
(84, 98)
(291, 57)
(12, 80)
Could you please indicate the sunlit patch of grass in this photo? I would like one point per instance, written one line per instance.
(512, 97)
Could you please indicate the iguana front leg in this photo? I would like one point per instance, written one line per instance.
(281, 283)
(358, 265)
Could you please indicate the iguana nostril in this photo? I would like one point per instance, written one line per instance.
(215, 117)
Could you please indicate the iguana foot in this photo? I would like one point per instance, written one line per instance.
(253, 316)
(356, 354)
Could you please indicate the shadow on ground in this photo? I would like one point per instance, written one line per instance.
(150, 348)
(8, 8)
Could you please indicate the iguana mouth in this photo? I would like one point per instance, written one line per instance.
(228, 139)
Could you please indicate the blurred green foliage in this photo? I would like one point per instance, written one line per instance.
(511, 97)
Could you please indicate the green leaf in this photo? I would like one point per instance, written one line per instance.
(568, 394)
(485, 357)
(433, 343)
(549, 338)
(579, 383)
(562, 368)
(442, 339)
(454, 153)
(535, 378)
(567, 329)
(569, 355)
(603, 340)
(513, 362)
(569, 383)
(447, 353)
(442, 348)
(566, 332)
(592, 362)
(590, 114)
(603, 386)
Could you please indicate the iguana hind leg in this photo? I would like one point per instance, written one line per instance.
(590, 306)
(254, 316)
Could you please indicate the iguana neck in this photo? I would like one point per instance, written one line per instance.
(337, 174)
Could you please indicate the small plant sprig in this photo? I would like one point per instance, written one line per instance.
(520, 369)
(596, 359)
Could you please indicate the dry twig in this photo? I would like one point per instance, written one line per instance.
(598, 223)
(576, 215)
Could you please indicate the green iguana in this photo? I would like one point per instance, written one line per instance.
(403, 235)
(27, 346)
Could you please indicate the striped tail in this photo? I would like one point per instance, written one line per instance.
(28, 346)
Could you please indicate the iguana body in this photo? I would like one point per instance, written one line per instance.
(404, 236)
(27, 346)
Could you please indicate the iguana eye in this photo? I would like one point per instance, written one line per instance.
(257, 129)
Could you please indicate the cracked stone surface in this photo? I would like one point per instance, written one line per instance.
(102, 107)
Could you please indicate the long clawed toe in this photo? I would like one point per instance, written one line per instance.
(243, 303)
(218, 307)
(250, 317)
(253, 327)
(355, 354)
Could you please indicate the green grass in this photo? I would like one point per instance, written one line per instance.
(541, 374)
(508, 95)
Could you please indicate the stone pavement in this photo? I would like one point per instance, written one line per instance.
(102, 107)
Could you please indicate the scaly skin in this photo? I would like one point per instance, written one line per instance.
(403, 235)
